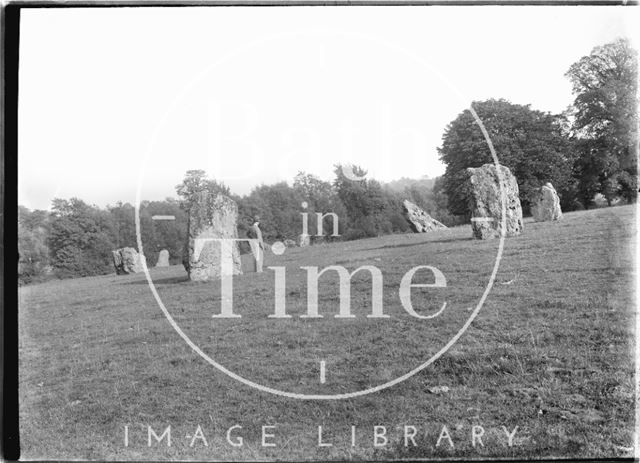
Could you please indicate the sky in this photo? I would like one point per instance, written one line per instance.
(118, 103)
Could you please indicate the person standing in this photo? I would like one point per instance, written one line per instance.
(257, 244)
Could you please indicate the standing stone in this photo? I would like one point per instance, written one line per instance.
(117, 262)
(546, 204)
(486, 205)
(163, 259)
(127, 260)
(211, 216)
(304, 240)
(248, 263)
(420, 221)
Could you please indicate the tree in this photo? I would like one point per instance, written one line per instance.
(166, 234)
(196, 182)
(441, 201)
(532, 144)
(278, 206)
(368, 207)
(316, 192)
(80, 239)
(605, 112)
(123, 219)
(32, 244)
(321, 197)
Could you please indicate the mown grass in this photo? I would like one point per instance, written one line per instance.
(550, 352)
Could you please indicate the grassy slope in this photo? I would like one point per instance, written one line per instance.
(551, 352)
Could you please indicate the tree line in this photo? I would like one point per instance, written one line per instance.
(76, 239)
(589, 149)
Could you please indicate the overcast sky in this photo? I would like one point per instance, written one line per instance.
(113, 97)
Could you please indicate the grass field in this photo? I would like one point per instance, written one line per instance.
(551, 351)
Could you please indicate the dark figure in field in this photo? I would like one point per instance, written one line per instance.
(256, 244)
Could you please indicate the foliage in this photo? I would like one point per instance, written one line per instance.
(155, 235)
(591, 149)
(195, 182)
(427, 193)
(33, 252)
(605, 113)
(403, 183)
(277, 207)
(441, 201)
(76, 239)
(321, 197)
(164, 234)
(80, 238)
(370, 209)
(532, 144)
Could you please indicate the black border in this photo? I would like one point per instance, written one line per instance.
(10, 35)
(10, 22)
(285, 3)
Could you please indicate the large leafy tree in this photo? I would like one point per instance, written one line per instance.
(532, 144)
(322, 197)
(155, 235)
(278, 209)
(123, 218)
(195, 182)
(371, 211)
(164, 234)
(80, 238)
(605, 85)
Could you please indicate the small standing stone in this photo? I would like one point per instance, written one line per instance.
(127, 260)
(163, 259)
(546, 204)
(485, 202)
(304, 240)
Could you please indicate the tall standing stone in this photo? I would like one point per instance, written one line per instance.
(163, 259)
(486, 205)
(546, 204)
(212, 217)
(127, 260)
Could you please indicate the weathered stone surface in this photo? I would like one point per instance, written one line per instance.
(163, 259)
(117, 262)
(211, 217)
(486, 205)
(127, 260)
(304, 240)
(420, 221)
(546, 204)
(289, 243)
(248, 263)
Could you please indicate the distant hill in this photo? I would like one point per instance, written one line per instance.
(404, 182)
